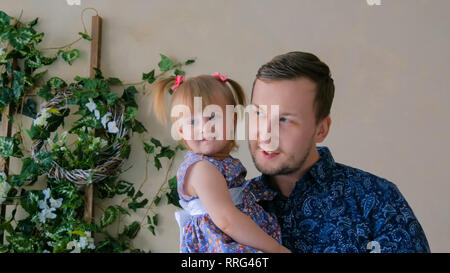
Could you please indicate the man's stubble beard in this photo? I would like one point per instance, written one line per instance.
(285, 168)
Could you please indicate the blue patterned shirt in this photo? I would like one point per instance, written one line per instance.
(337, 208)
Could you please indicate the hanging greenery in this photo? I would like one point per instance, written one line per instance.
(100, 144)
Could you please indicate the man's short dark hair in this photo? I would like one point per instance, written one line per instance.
(294, 65)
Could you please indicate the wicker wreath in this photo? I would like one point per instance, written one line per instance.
(108, 163)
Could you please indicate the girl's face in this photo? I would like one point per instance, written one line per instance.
(205, 132)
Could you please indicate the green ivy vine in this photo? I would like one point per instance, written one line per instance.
(54, 221)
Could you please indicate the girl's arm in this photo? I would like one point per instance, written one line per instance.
(205, 181)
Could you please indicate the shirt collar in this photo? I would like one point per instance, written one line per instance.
(321, 171)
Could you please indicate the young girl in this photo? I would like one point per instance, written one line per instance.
(220, 214)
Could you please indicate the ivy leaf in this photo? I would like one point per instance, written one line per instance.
(155, 219)
(70, 55)
(34, 60)
(110, 98)
(152, 229)
(123, 187)
(9, 146)
(36, 132)
(190, 61)
(156, 142)
(6, 96)
(165, 64)
(180, 147)
(138, 127)
(113, 81)
(55, 82)
(45, 159)
(109, 216)
(126, 149)
(157, 164)
(48, 60)
(18, 84)
(98, 73)
(106, 189)
(39, 75)
(149, 77)
(149, 148)
(130, 113)
(85, 36)
(157, 200)
(33, 23)
(128, 96)
(46, 92)
(4, 19)
(172, 196)
(166, 152)
(179, 72)
(134, 205)
(93, 84)
(132, 230)
(122, 210)
(55, 120)
(38, 37)
(29, 109)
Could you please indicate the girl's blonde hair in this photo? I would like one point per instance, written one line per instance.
(204, 86)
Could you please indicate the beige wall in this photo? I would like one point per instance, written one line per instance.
(390, 64)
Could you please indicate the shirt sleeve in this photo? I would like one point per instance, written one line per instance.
(395, 227)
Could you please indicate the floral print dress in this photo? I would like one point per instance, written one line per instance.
(198, 233)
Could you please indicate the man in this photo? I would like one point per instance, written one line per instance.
(321, 205)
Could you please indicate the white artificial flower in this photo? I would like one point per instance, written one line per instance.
(46, 251)
(2, 50)
(43, 204)
(86, 241)
(46, 193)
(112, 127)
(56, 203)
(72, 244)
(4, 187)
(41, 120)
(91, 105)
(46, 214)
(103, 143)
(105, 119)
(97, 114)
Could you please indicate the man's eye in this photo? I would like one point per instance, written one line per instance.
(258, 113)
(193, 122)
(285, 120)
(212, 117)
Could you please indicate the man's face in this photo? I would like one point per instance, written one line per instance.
(297, 125)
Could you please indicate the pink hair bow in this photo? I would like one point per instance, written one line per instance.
(178, 80)
(221, 77)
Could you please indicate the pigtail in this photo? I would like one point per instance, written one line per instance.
(159, 102)
(238, 92)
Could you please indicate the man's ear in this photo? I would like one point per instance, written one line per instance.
(322, 129)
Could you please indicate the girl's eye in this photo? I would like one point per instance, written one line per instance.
(285, 120)
(212, 117)
(258, 113)
(193, 122)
